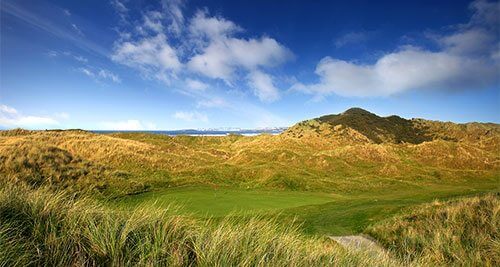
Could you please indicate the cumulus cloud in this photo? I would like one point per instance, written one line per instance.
(152, 55)
(127, 125)
(466, 60)
(166, 46)
(263, 87)
(211, 27)
(222, 57)
(11, 118)
(222, 54)
(191, 116)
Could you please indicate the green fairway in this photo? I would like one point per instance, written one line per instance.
(318, 213)
(203, 201)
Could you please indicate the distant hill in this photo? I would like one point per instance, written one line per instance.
(354, 150)
(357, 125)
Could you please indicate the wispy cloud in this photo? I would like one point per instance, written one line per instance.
(191, 116)
(196, 85)
(100, 75)
(52, 26)
(127, 125)
(77, 30)
(354, 38)
(213, 102)
(11, 118)
(55, 54)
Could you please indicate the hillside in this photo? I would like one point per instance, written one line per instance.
(79, 198)
(357, 125)
(352, 151)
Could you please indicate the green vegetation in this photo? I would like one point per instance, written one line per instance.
(464, 232)
(335, 175)
(399, 129)
(41, 228)
(223, 201)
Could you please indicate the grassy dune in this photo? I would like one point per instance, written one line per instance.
(84, 199)
(50, 229)
(464, 232)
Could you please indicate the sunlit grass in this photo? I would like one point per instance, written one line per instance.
(463, 232)
(51, 229)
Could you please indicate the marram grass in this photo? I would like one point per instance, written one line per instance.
(42, 228)
(461, 232)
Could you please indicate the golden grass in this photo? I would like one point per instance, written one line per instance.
(41, 228)
(464, 232)
(131, 162)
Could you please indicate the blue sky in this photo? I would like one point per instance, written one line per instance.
(173, 64)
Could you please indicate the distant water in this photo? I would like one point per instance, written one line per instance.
(192, 132)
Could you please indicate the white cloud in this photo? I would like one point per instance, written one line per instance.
(119, 6)
(191, 116)
(352, 38)
(49, 25)
(66, 12)
(77, 30)
(55, 54)
(10, 118)
(215, 102)
(128, 125)
(106, 74)
(204, 45)
(485, 13)
(221, 58)
(62, 115)
(212, 27)
(152, 55)
(196, 85)
(87, 72)
(8, 110)
(466, 60)
(152, 22)
(173, 9)
(100, 75)
(263, 87)
(81, 59)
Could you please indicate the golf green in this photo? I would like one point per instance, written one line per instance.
(218, 202)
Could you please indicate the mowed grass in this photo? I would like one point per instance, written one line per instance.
(315, 213)
(202, 201)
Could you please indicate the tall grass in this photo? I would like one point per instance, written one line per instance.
(464, 232)
(40, 228)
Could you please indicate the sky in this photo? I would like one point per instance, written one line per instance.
(174, 64)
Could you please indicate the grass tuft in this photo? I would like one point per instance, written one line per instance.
(464, 232)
